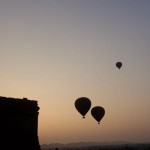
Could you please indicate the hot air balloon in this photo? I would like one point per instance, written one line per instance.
(98, 113)
(119, 65)
(83, 105)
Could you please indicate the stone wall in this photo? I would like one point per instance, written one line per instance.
(19, 124)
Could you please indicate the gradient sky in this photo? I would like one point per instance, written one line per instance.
(55, 51)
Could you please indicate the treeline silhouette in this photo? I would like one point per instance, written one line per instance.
(103, 147)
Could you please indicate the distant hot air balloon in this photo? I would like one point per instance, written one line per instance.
(83, 105)
(98, 113)
(119, 64)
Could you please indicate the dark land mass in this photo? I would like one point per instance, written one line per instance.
(97, 146)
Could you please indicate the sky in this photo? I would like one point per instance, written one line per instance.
(55, 51)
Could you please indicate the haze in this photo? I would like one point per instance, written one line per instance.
(55, 51)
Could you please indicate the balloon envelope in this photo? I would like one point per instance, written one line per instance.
(83, 105)
(98, 113)
(119, 64)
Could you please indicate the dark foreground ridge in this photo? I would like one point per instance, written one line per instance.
(97, 146)
(18, 124)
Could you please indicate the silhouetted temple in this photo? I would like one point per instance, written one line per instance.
(18, 124)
